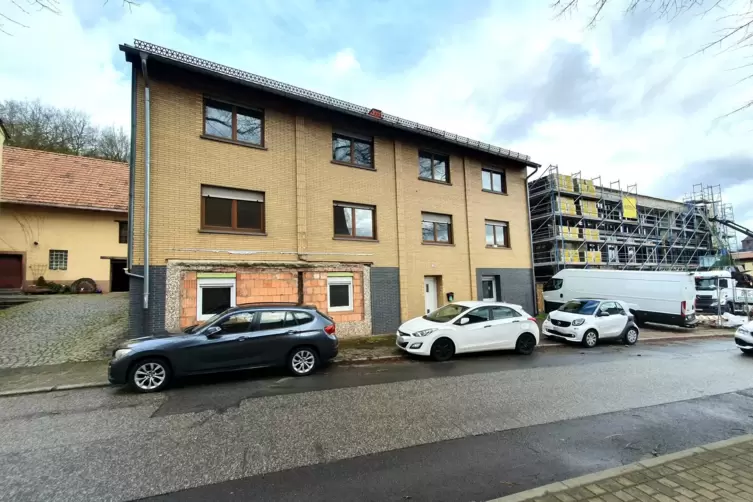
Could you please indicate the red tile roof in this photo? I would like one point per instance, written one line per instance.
(53, 179)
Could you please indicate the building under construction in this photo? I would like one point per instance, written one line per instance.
(579, 222)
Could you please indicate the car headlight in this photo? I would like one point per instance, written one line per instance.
(579, 322)
(120, 353)
(425, 332)
(743, 331)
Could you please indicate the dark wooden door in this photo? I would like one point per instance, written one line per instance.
(11, 271)
(118, 277)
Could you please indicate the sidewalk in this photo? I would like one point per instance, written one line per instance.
(14, 381)
(714, 472)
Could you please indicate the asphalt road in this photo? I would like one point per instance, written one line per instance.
(470, 429)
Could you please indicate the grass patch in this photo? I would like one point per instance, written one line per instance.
(368, 342)
(541, 316)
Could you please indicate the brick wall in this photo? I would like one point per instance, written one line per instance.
(300, 182)
(315, 293)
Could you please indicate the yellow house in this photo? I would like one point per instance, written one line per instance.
(62, 217)
(258, 191)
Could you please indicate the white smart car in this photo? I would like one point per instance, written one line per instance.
(462, 327)
(588, 320)
(744, 338)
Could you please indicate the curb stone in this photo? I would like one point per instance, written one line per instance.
(53, 388)
(595, 477)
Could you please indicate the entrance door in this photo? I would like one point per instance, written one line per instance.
(11, 271)
(118, 278)
(488, 289)
(430, 294)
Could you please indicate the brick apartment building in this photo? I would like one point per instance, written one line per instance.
(261, 191)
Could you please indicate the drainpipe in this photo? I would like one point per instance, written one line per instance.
(530, 234)
(147, 177)
(131, 173)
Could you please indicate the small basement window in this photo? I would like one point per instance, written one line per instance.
(58, 259)
(213, 296)
(339, 294)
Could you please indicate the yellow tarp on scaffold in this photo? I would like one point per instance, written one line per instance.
(629, 208)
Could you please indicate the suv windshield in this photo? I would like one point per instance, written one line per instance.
(706, 284)
(446, 313)
(585, 307)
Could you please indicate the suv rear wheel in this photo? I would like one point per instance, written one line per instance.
(303, 361)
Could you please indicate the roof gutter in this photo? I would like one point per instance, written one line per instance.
(147, 174)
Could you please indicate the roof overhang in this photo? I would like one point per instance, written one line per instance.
(209, 68)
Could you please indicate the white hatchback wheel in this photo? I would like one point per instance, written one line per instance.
(590, 339)
(631, 336)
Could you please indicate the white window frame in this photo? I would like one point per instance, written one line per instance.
(348, 281)
(212, 283)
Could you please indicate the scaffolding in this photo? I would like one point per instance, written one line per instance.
(584, 223)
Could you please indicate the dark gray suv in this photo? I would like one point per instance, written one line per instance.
(244, 337)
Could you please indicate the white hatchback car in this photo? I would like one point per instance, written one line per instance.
(462, 327)
(744, 338)
(588, 320)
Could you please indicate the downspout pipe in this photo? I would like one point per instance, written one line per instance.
(147, 176)
(530, 234)
(131, 173)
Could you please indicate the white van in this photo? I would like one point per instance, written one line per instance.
(662, 297)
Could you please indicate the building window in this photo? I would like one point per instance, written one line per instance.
(230, 209)
(355, 221)
(357, 152)
(493, 181)
(58, 259)
(214, 296)
(122, 232)
(436, 228)
(434, 167)
(497, 234)
(339, 294)
(231, 122)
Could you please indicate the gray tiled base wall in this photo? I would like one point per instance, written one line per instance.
(515, 285)
(385, 300)
(140, 324)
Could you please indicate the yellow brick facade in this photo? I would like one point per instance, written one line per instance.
(300, 182)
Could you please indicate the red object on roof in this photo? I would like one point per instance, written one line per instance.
(375, 113)
(44, 178)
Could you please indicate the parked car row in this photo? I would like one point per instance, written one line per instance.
(302, 338)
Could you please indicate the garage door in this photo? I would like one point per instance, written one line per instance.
(11, 271)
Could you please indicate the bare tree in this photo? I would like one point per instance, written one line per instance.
(32, 124)
(20, 12)
(114, 144)
(736, 17)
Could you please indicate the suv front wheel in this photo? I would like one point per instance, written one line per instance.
(149, 375)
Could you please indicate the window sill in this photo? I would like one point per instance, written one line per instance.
(498, 247)
(435, 181)
(492, 191)
(232, 142)
(339, 310)
(348, 164)
(449, 244)
(231, 232)
(357, 239)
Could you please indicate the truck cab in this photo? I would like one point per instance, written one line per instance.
(723, 291)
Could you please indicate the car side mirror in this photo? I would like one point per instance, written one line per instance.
(213, 331)
(602, 314)
(463, 321)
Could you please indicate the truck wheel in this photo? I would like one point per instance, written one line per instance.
(731, 308)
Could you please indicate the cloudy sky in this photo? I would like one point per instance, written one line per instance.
(624, 100)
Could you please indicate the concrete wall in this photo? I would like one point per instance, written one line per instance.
(513, 286)
(385, 299)
(86, 235)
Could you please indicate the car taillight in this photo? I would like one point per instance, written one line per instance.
(682, 308)
(330, 330)
(532, 319)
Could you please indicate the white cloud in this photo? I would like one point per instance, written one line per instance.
(641, 112)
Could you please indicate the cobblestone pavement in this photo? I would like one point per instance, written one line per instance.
(717, 472)
(60, 329)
